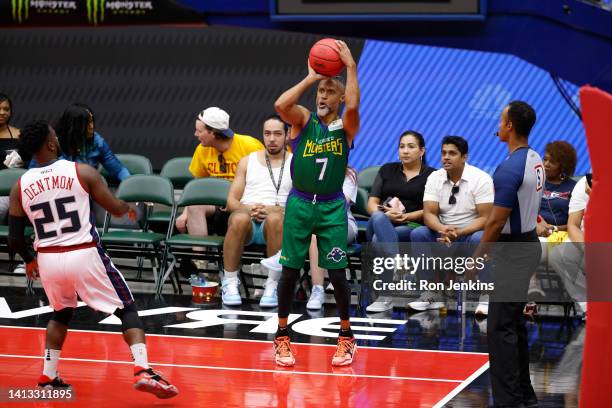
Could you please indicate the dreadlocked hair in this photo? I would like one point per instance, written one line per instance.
(71, 129)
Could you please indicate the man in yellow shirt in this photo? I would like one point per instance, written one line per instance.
(217, 155)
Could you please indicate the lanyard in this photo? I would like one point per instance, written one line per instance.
(280, 176)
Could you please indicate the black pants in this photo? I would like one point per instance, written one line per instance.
(513, 265)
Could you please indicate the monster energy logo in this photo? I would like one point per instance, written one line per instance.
(20, 9)
(95, 11)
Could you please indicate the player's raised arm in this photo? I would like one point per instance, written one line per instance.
(98, 190)
(350, 117)
(287, 104)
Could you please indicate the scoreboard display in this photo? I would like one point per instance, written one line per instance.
(382, 10)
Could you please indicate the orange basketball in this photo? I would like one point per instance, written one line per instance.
(324, 57)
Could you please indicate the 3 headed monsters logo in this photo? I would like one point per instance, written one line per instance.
(336, 255)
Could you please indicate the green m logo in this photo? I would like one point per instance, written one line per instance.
(95, 11)
(20, 10)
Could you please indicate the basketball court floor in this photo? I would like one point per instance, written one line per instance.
(220, 356)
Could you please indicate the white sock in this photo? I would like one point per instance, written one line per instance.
(274, 275)
(139, 355)
(228, 274)
(51, 360)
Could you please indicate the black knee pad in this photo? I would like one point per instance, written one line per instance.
(129, 317)
(63, 316)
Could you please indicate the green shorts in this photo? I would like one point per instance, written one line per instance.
(326, 220)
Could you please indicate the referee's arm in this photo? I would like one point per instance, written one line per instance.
(506, 184)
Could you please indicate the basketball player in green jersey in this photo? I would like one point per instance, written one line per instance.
(316, 205)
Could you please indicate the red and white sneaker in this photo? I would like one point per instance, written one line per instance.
(47, 383)
(345, 351)
(148, 380)
(284, 352)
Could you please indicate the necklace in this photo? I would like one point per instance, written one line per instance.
(280, 176)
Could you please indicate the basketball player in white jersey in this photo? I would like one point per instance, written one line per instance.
(56, 198)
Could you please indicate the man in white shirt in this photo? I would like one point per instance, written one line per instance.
(567, 259)
(256, 201)
(457, 201)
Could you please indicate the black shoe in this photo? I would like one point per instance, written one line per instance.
(47, 383)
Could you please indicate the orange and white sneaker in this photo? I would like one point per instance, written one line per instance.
(345, 351)
(284, 352)
(148, 380)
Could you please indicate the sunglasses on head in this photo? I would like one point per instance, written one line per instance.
(452, 200)
(222, 164)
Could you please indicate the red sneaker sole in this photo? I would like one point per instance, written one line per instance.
(155, 388)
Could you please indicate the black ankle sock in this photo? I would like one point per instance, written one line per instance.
(346, 333)
(282, 331)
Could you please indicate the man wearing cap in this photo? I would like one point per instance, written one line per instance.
(217, 155)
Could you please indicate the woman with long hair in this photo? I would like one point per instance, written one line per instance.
(81, 143)
(9, 135)
(396, 200)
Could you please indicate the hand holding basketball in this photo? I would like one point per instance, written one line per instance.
(314, 74)
(325, 58)
(345, 53)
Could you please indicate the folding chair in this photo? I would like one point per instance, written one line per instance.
(367, 176)
(141, 243)
(135, 163)
(177, 171)
(203, 191)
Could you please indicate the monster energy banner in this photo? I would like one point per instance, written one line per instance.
(94, 12)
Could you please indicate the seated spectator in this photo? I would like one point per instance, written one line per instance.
(81, 143)
(396, 200)
(457, 201)
(559, 166)
(9, 145)
(256, 202)
(217, 155)
(568, 260)
(317, 296)
(9, 142)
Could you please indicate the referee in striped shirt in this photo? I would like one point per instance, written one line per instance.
(518, 183)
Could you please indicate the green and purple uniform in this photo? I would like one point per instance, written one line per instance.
(316, 204)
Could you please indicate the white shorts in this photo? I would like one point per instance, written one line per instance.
(88, 273)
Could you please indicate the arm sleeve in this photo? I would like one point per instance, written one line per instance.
(376, 190)
(506, 184)
(197, 166)
(484, 192)
(16, 238)
(432, 189)
(111, 163)
(579, 197)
